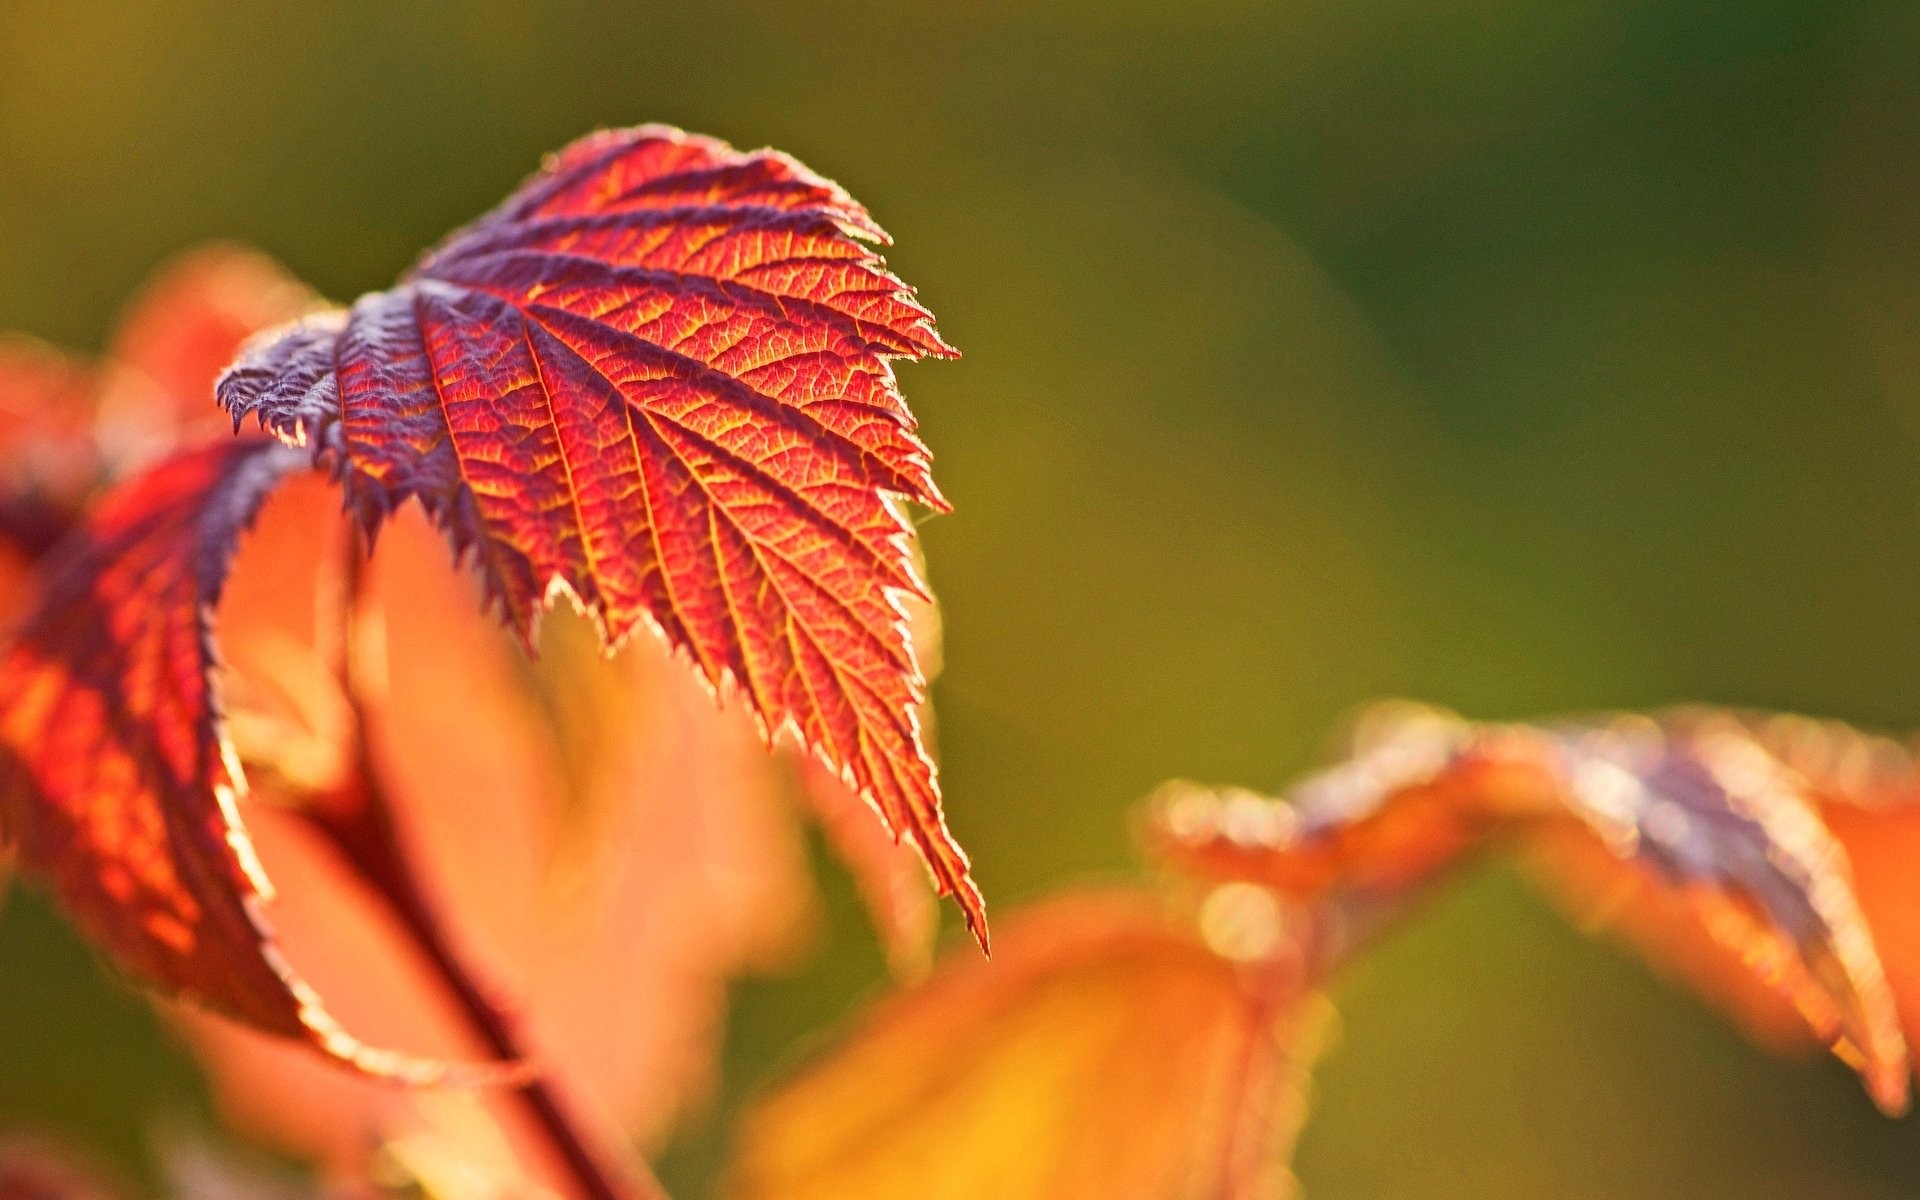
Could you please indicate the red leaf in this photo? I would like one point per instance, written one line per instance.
(657, 377)
(1868, 791)
(65, 425)
(1686, 833)
(891, 878)
(48, 455)
(121, 788)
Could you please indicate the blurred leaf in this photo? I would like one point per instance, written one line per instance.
(121, 785)
(608, 845)
(67, 426)
(1107, 1051)
(183, 330)
(1685, 833)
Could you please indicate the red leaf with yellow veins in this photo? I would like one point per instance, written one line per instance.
(120, 785)
(659, 377)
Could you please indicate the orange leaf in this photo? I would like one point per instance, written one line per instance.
(658, 378)
(1868, 791)
(676, 870)
(121, 787)
(45, 397)
(590, 831)
(1107, 1052)
(1687, 834)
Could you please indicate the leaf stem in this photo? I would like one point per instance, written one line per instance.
(367, 839)
(359, 820)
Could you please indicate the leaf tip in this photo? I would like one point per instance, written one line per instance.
(1890, 1092)
(973, 907)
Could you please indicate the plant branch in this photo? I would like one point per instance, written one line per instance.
(359, 820)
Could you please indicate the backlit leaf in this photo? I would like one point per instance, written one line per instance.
(1686, 833)
(677, 870)
(67, 425)
(120, 787)
(892, 879)
(658, 377)
(592, 832)
(1867, 788)
(49, 458)
(1107, 1052)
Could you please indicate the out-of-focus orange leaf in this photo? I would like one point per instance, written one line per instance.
(678, 869)
(121, 788)
(1407, 804)
(344, 942)
(66, 425)
(594, 833)
(49, 458)
(282, 621)
(658, 377)
(1868, 791)
(1108, 1051)
(1686, 834)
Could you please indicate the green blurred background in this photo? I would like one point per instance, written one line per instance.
(1518, 355)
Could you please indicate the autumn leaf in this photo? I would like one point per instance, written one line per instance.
(593, 831)
(120, 785)
(575, 876)
(658, 378)
(47, 402)
(1685, 833)
(889, 875)
(67, 425)
(1110, 1050)
(1867, 789)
